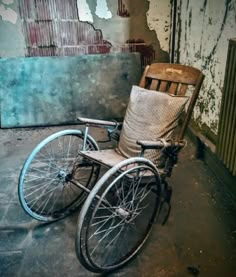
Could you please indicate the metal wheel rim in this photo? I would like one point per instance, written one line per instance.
(92, 266)
(30, 161)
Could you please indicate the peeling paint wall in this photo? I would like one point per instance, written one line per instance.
(54, 28)
(11, 36)
(84, 11)
(102, 10)
(203, 30)
(160, 22)
(78, 27)
(134, 25)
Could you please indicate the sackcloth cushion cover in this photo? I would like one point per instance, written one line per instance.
(150, 115)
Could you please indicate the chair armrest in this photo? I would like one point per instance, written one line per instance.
(95, 122)
(161, 143)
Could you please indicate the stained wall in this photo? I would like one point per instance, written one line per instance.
(202, 32)
(131, 25)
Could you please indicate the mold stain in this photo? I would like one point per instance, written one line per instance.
(122, 9)
(187, 4)
(190, 18)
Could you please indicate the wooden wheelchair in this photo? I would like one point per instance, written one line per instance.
(118, 209)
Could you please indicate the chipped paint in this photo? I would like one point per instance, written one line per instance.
(78, 27)
(159, 20)
(129, 22)
(8, 14)
(57, 28)
(204, 28)
(84, 11)
(102, 10)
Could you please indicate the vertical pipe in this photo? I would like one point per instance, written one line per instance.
(173, 29)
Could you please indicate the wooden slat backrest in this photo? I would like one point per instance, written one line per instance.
(174, 79)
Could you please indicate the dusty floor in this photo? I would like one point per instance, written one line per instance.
(198, 240)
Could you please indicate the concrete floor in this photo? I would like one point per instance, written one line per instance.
(198, 240)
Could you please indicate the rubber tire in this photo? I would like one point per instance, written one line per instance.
(85, 261)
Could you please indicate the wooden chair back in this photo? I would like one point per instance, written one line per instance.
(175, 79)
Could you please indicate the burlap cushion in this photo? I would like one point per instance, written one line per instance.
(150, 115)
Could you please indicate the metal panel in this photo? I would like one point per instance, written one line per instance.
(55, 90)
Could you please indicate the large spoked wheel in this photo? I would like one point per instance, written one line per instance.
(117, 217)
(47, 186)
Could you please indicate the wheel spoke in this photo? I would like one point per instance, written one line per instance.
(42, 194)
(50, 159)
(45, 190)
(114, 233)
(100, 230)
(107, 232)
(40, 188)
(116, 237)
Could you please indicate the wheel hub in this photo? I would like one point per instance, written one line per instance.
(123, 213)
(64, 176)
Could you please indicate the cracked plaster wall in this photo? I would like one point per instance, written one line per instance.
(147, 20)
(144, 19)
(203, 30)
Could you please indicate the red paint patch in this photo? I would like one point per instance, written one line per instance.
(52, 28)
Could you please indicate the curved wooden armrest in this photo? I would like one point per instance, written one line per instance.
(96, 122)
(161, 143)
